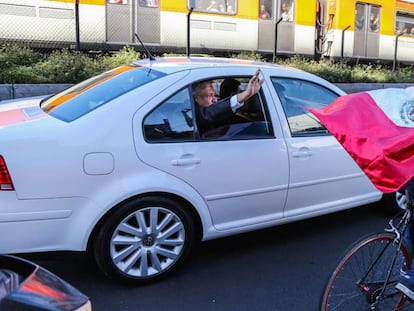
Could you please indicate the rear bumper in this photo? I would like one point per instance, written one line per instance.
(44, 224)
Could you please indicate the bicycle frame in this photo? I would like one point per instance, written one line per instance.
(398, 230)
(366, 276)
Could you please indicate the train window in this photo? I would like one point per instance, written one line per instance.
(404, 23)
(228, 7)
(367, 18)
(149, 3)
(298, 95)
(117, 1)
(360, 17)
(266, 9)
(286, 10)
(374, 19)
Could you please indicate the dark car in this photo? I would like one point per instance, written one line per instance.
(26, 286)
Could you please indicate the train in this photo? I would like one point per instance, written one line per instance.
(345, 29)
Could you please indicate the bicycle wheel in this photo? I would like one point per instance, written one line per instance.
(358, 281)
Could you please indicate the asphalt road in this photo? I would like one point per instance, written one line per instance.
(281, 268)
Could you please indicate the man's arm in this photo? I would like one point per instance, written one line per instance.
(252, 88)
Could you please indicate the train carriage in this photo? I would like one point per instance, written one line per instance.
(225, 26)
(370, 30)
(50, 24)
(291, 26)
(404, 26)
(232, 27)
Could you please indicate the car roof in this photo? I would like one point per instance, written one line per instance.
(175, 64)
(170, 65)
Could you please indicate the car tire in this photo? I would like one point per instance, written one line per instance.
(144, 240)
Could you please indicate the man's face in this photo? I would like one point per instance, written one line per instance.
(206, 97)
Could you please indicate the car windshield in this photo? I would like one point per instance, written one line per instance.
(86, 96)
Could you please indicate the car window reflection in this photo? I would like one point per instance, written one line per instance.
(296, 96)
(172, 120)
(85, 97)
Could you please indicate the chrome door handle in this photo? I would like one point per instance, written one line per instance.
(302, 153)
(185, 162)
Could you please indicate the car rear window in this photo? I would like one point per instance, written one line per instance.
(91, 94)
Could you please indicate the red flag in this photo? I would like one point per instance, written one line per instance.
(377, 129)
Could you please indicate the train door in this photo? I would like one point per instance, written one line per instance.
(124, 18)
(367, 30)
(270, 12)
(148, 21)
(119, 21)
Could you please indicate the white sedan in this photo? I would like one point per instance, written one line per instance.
(116, 166)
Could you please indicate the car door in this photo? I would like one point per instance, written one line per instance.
(242, 173)
(322, 174)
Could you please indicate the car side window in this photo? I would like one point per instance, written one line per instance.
(248, 122)
(296, 96)
(172, 120)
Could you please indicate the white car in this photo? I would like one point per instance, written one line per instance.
(117, 167)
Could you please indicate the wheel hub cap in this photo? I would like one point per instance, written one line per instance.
(148, 241)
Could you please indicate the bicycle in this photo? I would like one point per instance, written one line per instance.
(366, 276)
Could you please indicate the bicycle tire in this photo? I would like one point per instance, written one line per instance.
(343, 293)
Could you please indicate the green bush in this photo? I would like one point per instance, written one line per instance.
(66, 67)
(250, 56)
(21, 74)
(125, 56)
(15, 65)
(13, 55)
(343, 72)
(23, 65)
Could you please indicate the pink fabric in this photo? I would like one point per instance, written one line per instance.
(382, 149)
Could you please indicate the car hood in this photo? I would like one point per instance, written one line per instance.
(20, 111)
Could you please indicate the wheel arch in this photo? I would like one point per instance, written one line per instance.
(195, 216)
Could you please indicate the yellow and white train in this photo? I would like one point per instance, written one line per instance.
(375, 29)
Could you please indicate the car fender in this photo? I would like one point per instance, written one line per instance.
(143, 184)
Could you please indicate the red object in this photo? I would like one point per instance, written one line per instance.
(5, 179)
(382, 149)
(18, 115)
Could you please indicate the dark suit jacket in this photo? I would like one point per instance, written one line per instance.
(218, 114)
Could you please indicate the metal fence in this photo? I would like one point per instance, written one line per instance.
(57, 24)
(97, 25)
